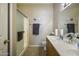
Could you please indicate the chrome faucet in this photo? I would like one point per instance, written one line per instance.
(61, 37)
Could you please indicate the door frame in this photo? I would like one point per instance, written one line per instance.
(12, 35)
(9, 29)
(12, 26)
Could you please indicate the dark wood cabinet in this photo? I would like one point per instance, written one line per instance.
(51, 51)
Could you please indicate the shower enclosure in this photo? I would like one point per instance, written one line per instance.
(22, 27)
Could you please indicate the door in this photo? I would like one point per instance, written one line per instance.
(4, 47)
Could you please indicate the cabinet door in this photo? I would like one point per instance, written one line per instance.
(51, 51)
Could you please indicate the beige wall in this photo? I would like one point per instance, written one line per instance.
(63, 16)
(44, 15)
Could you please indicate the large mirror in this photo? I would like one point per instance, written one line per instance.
(66, 23)
(69, 19)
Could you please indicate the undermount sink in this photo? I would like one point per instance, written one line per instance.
(64, 47)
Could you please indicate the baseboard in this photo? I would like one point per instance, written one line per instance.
(35, 46)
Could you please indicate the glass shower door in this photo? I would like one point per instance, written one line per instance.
(20, 32)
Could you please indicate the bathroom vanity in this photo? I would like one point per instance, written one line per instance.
(57, 47)
(51, 51)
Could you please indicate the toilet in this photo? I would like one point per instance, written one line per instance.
(44, 44)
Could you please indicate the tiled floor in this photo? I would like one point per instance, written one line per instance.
(35, 51)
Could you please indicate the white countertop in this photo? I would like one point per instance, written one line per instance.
(63, 48)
